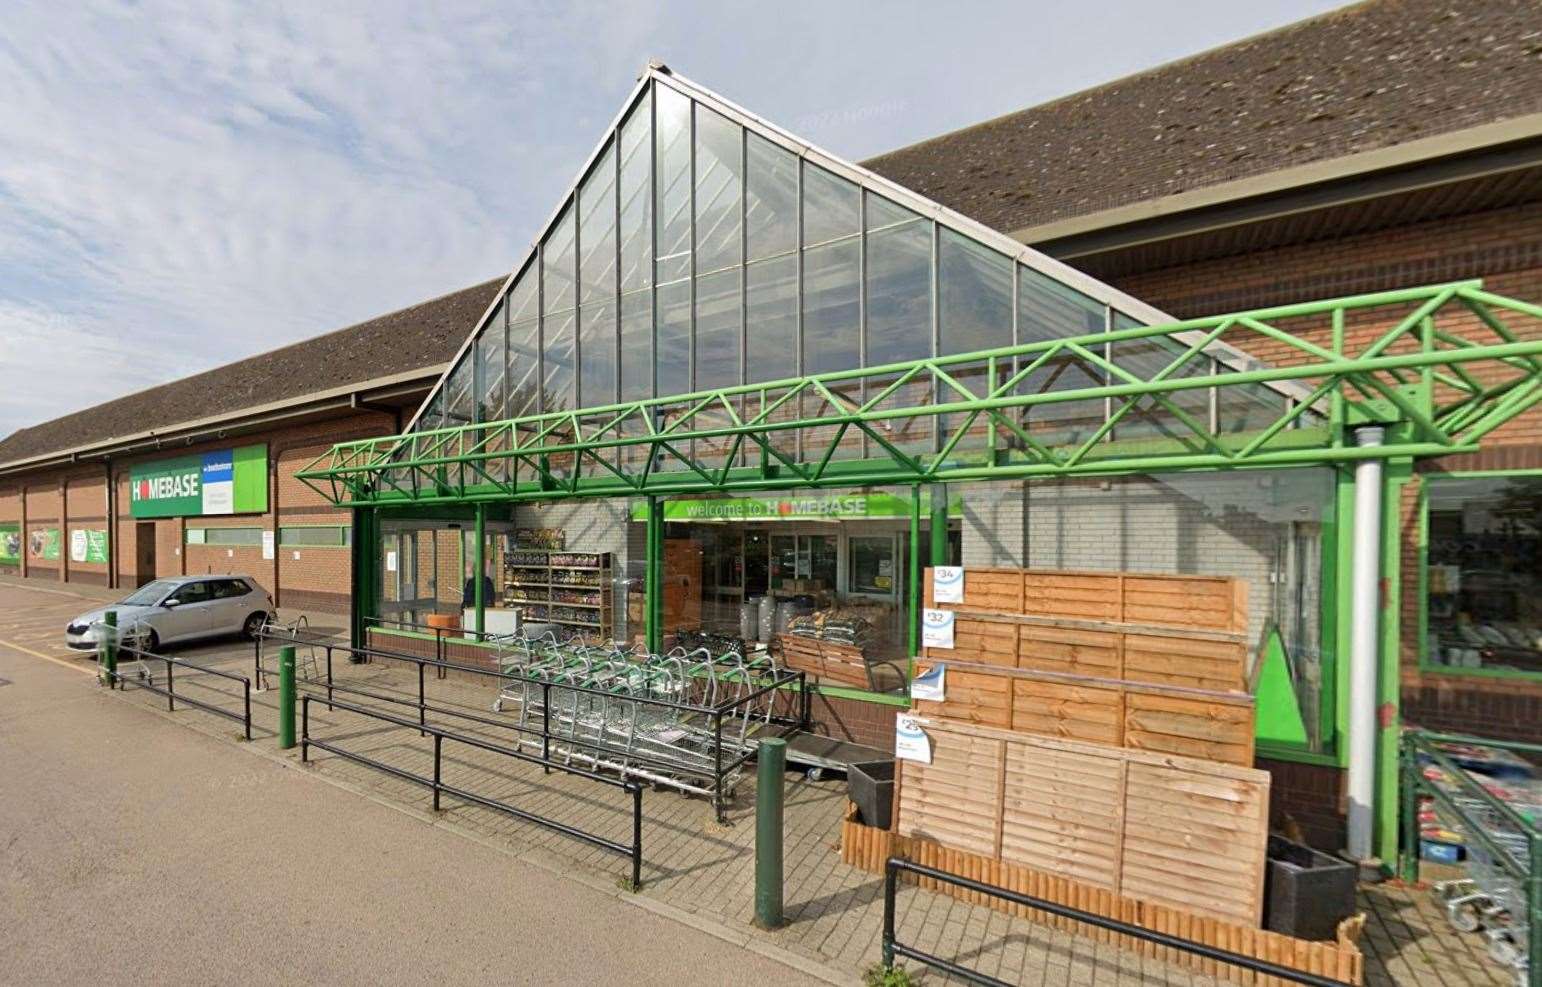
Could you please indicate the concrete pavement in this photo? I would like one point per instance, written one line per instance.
(133, 851)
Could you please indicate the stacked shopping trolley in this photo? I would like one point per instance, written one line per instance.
(1479, 804)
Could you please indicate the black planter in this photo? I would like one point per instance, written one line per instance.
(1306, 893)
(870, 784)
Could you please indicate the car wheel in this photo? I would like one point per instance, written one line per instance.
(150, 641)
(253, 625)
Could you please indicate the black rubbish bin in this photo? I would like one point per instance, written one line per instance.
(870, 784)
(1307, 893)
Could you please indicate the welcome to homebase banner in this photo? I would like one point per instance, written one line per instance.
(225, 481)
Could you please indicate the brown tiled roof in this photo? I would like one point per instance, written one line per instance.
(1357, 79)
(421, 336)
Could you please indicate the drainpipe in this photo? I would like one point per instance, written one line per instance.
(1365, 606)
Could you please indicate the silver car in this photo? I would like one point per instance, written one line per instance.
(182, 608)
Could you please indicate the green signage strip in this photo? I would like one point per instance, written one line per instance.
(797, 507)
(225, 481)
(10, 543)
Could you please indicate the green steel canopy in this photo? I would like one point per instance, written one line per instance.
(1452, 364)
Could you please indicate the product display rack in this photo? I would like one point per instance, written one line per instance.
(563, 587)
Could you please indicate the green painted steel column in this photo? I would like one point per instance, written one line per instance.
(939, 533)
(480, 562)
(107, 650)
(652, 606)
(286, 697)
(772, 764)
(1408, 852)
(913, 582)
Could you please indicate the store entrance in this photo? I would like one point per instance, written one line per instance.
(822, 569)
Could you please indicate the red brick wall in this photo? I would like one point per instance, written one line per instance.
(10, 513)
(319, 579)
(86, 503)
(43, 514)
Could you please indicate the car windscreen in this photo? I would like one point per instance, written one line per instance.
(149, 594)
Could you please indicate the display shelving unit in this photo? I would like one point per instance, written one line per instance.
(572, 589)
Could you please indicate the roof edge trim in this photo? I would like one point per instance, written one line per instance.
(1333, 169)
(105, 446)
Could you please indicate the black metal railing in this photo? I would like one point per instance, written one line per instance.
(436, 783)
(893, 947)
(791, 681)
(144, 678)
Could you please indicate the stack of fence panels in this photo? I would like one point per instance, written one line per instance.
(1097, 726)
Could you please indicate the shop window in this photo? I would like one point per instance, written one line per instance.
(224, 536)
(313, 537)
(1483, 573)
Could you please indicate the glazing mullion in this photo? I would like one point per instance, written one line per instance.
(744, 267)
(862, 387)
(798, 323)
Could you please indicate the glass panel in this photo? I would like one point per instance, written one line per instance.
(719, 188)
(899, 284)
(557, 389)
(771, 198)
(1150, 418)
(597, 232)
(830, 307)
(1247, 407)
(524, 344)
(557, 266)
(717, 330)
(458, 406)
(636, 202)
(975, 283)
(829, 206)
(772, 296)
(872, 566)
(433, 414)
(673, 154)
(597, 354)
(491, 364)
(522, 297)
(636, 345)
(1484, 575)
(674, 338)
(1048, 309)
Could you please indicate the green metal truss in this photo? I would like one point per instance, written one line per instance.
(1446, 363)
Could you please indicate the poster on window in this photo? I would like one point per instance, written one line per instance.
(88, 546)
(930, 685)
(948, 584)
(937, 629)
(910, 740)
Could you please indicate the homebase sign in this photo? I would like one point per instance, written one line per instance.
(788, 508)
(225, 481)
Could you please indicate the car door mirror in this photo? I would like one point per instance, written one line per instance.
(172, 603)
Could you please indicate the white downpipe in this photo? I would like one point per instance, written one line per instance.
(1364, 660)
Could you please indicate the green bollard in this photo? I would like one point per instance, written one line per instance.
(286, 697)
(110, 652)
(772, 758)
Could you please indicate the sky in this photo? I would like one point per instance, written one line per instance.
(183, 185)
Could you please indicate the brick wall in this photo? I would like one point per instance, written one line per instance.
(10, 513)
(320, 579)
(43, 506)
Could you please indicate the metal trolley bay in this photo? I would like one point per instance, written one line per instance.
(1474, 800)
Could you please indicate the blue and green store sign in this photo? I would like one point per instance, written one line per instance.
(225, 481)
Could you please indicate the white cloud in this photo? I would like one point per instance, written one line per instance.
(182, 185)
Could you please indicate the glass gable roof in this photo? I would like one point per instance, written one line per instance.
(703, 247)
